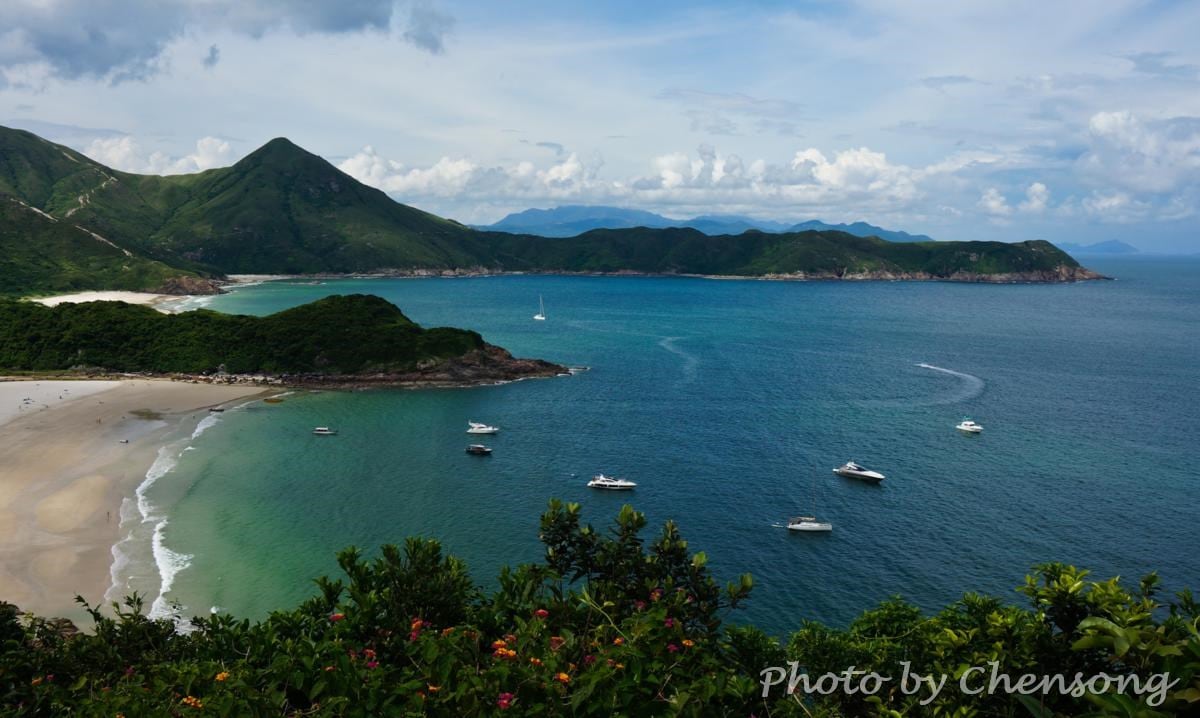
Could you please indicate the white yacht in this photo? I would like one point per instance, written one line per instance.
(969, 426)
(474, 427)
(851, 470)
(541, 315)
(808, 523)
(600, 481)
(324, 431)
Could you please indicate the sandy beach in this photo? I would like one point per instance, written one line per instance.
(64, 472)
(127, 297)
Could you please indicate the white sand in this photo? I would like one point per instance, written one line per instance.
(129, 297)
(43, 395)
(64, 471)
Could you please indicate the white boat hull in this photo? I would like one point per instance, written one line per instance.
(811, 527)
(871, 476)
(483, 431)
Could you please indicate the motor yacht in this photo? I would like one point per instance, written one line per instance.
(851, 470)
(600, 481)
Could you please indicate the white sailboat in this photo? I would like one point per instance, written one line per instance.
(809, 523)
(541, 315)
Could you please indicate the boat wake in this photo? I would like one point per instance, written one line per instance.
(689, 360)
(972, 386)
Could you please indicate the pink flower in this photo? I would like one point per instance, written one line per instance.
(639, 605)
(372, 664)
(504, 700)
(672, 647)
(589, 660)
(669, 623)
(541, 613)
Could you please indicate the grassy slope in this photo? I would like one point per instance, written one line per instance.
(334, 335)
(42, 255)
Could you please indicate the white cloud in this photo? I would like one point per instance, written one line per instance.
(994, 203)
(1157, 157)
(124, 153)
(1037, 196)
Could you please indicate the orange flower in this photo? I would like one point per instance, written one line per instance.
(499, 643)
(222, 676)
(618, 641)
(562, 678)
(688, 643)
(447, 631)
(535, 661)
(36, 682)
(193, 702)
(432, 688)
(556, 642)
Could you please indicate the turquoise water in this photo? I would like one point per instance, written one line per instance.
(729, 402)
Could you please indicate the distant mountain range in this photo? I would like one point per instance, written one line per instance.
(1112, 246)
(572, 220)
(68, 223)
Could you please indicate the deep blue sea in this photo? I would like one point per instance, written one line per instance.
(729, 402)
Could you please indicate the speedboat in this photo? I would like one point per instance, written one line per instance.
(474, 427)
(324, 431)
(808, 523)
(215, 409)
(479, 450)
(969, 426)
(600, 481)
(851, 470)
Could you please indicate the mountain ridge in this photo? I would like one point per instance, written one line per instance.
(284, 210)
(572, 220)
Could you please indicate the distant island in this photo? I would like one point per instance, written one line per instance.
(68, 223)
(1111, 247)
(572, 220)
(338, 341)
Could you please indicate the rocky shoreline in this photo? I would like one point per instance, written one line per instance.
(486, 366)
(1059, 275)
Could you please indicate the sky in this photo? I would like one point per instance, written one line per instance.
(1007, 120)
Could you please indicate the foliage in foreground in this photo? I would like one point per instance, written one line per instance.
(607, 625)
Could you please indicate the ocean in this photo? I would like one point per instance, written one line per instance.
(729, 403)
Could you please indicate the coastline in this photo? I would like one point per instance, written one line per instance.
(67, 473)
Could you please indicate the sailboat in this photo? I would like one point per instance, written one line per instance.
(541, 315)
(809, 523)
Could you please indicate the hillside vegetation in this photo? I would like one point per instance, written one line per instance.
(283, 210)
(337, 335)
(609, 624)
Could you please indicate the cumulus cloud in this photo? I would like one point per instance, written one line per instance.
(123, 40)
(1037, 196)
(124, 153)
(858, 180)
(994, 203)
(1156, 157)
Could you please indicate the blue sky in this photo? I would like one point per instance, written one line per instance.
(981, 120)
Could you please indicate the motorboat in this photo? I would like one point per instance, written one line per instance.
(851, 470)
(215, 409)
(479, 450)
(809, 524)
(969, 426)
(541, 315)
(600, 481)
(273, 400)
(474, 427)
(324, 431)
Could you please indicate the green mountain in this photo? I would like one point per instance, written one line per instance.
(282, 210)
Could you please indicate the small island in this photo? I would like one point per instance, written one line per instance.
(348, 341)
